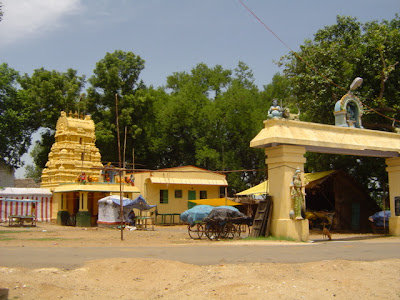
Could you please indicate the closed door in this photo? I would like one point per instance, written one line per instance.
(191, 196)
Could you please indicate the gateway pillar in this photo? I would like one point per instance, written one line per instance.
(282, 161)
(393, 169)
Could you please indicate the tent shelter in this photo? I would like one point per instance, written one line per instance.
(109, 209)
(257, 190)
(341, 195)
(332, 192)
(18, 201)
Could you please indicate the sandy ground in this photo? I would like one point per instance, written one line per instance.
(124, 278)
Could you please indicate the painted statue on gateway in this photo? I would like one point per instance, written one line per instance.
(275, 111)
(297, 195)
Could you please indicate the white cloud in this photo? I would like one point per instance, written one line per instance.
(26, 19)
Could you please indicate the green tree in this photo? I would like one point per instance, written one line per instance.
(15, 118)
(209, 120)
(187, 117)
(34, 170)
(49, 93)
(323, 69)
(321, 72)
(280, 89)
(241, 112)
(1, 11)
(116, 74)
(52, 92)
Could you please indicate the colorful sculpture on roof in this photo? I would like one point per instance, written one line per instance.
(275, 111)
(349, 109)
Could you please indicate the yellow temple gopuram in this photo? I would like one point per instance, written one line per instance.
(74, 152)
(75, 175)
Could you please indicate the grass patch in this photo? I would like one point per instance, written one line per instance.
(12, 231)
(6, 238)
(269, 238)
(46, 239)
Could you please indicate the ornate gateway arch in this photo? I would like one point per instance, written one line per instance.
(285, 143)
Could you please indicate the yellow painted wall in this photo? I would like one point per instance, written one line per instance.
(393, 169)
(151, 191)
(55, 207)
(176, 205)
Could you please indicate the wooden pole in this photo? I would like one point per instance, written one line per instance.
(226, 196)
(124, 161)
(121, 212)
(133, 158)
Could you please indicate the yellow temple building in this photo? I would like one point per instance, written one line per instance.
(74, 152)
(75, 175)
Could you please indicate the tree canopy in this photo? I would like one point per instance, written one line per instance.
(1, 11)
(116, 75)
(321, 72)
(207, 116)
(16, 118)
(323, 69)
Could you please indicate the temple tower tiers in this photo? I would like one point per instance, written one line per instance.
(74, 152)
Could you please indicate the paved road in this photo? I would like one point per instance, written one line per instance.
(205, 254)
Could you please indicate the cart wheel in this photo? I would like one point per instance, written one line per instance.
(235, 231)
(200, 231)
(195, 232)
(228, 231)
(211, 232)
(244, 228)
(191, 232)
(238, 229)
(224, 232)
(232, 231)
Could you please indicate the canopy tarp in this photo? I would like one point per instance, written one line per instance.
(199, 212)
(216, 202)
(259, 189)
(138, 203)
(263, 187)
(310, 177)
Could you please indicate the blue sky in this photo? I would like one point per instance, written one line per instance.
(170, 35)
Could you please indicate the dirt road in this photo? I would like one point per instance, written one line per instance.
(53, 262)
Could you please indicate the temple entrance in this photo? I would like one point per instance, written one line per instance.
(285, 143)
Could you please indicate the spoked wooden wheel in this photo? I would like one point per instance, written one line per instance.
(228, 231)
(212, 231)
(241, 228)
(196, 232)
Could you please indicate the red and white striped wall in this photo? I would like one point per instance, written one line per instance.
(18, 201)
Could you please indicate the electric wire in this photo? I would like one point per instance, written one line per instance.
(307, 64)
